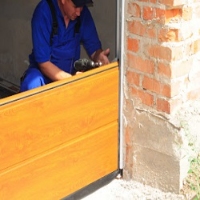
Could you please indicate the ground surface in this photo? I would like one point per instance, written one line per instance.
(130, 190)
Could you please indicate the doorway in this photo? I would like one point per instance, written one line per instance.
(15, 35)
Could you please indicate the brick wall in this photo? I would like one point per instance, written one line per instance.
(163, 39)
(162, 88)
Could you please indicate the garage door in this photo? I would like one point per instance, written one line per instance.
(59, 138)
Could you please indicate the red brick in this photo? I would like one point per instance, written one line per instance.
(151, 32)
(145, 97)
(156, 86)
(166, 53)
(134, 10)
(138, 63)
(163, 105)
(157, 51)
(133, 78)
(129, 157)
(165, 90)
(136, 27)
(168, 106)
(164, 69)
(173, 14)
(168, 35)
(133, 44)
(128, 147)
(160, 15)
(148, 13)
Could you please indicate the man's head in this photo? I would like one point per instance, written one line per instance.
(81, 3)
(71, 9)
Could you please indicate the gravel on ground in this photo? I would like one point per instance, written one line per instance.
(119, 189)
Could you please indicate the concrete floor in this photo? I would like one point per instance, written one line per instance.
(112, 187)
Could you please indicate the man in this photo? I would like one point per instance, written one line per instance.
(53, 56)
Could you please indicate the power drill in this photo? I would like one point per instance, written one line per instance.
(84, 64)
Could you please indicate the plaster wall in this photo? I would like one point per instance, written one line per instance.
(158, 149)
(15, 34)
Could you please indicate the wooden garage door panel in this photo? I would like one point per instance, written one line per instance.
(31, 125)
(64, 169)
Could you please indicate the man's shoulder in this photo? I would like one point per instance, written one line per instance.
(42, 10)
(85, 10)
(86, 13)
(42, 7)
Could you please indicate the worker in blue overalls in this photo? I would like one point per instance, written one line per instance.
(58, 29)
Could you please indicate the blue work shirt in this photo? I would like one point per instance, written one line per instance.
(65, 48)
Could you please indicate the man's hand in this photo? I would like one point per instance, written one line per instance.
(101, 56)
(79, 73)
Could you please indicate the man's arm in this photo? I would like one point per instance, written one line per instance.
(52, 71)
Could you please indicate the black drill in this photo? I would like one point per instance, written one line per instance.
(84, 64)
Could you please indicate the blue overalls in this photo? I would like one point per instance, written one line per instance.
(65, 47)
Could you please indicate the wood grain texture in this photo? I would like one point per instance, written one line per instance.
(63, 170)
(35, 124)
(52, 136)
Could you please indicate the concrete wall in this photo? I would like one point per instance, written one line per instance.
(15, 34)
(158, 149)
(104, 14)
(15, 38)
